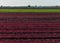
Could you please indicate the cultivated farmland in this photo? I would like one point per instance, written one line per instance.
(23, 27)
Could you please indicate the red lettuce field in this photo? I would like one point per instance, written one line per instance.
(29, 27)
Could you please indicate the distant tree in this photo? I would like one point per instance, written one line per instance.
(35, 5)
(57, 6)
(1, 5)
(29, 6)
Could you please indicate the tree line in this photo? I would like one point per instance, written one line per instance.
(29, 7)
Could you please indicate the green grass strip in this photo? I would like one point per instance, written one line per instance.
(29, 10)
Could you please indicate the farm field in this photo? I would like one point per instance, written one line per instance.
(29, 10)
(16, 27)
